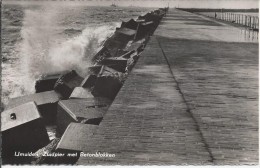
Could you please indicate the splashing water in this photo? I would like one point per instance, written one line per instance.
(44, 50)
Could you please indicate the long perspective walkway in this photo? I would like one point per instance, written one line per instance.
(192, 98)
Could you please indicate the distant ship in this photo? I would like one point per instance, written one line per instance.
(113, 5)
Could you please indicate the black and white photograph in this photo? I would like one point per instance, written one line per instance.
(129, 82)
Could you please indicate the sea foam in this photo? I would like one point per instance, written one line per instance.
(43, 51)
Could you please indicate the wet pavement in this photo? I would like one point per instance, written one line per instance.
(191, 26)
(192, 98)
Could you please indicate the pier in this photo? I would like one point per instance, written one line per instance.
(192, 98)
(169, 88)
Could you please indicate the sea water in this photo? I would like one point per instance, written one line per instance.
(47, 38)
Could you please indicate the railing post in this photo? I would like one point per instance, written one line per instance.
(245, 20)
(249, 21)
(257, 23)
(253, 26)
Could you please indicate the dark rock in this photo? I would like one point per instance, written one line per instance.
(22, 131)
(88, 111)
(45, 101)
(67, 83)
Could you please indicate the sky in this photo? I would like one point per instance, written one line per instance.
(234, 4)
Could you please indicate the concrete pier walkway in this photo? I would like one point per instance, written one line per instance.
(192, 98)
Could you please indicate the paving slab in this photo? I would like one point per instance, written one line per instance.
(217, 73)
(148, 122)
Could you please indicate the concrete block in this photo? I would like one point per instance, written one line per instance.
(45, 101)
(106, 86)
(22, 131)
(88, 111)
(94, 69)
(47, 82)
(136, 46)
(127, 54)
(105, 71)
(151, 17)
(81, 93)
(116, 43)
(73, 141)
(118, 63)
(89, 81)
(126, 32)
(67, 83)
(131, 62)
(145, 29)
(103, 52)
(131, 24)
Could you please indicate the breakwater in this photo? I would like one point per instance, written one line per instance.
(67, 97)
(187, 101)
